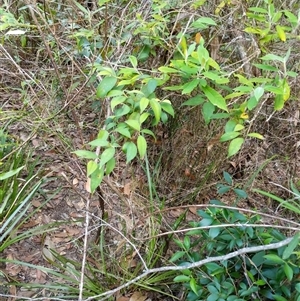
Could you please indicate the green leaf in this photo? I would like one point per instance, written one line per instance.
(229, 136)
(194, 101)
(187, 243)
(193, 286)
(291, 17)
(150, 87)
(85, 154)
(168, 70)
(240, 193)
(167, 107)
(215, 98)
(82, 8)
(234, 146)
(223, 189)
(96, 179)
(215, 76)
(230, 126)
(142, 146)
(103, 134)
(266, 67)
(131, 151)
(281, 33)
(279, 298)
(207, 111)
(291, 246)
(254, 30)
(274, 258)
(275, 90)
(286, 90)
(144, 117)
(124, 131)
(227, 177)
(206, 222)
(181, 278)
(260, 282)
(115, 93)
(211, 62)
(190, 86)
(279, 102)
(134, 124)
(288, 272)
(11, 173)
(110, 165)
(203, 22)
(116, 101)
(256, 135)
(183, 45)
(106, 84)
(148, 132)
(106, 156)
(252, 103)
(292, 74)
(214, 232)
(212, 266)
(238, 127)
(244, 81)
(155, 105)
(272, 57)
(177, 256)
(99, 142)
(258, 93)
(143, 104)
(91, 167)
(133, 61)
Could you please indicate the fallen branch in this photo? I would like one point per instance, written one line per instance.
(197, 264)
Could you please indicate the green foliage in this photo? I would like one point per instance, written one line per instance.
(134, 109)
(265, 22)
(229, 186)
(266, 275)
(229, 96)
(202, 77)
(6, 144)
(18, 186)
(292, 204)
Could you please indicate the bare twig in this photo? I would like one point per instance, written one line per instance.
(193, 265)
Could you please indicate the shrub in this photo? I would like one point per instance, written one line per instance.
(266, 275)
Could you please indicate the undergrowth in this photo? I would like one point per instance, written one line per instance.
(175, 93)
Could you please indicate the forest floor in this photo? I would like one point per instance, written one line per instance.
(187, 162)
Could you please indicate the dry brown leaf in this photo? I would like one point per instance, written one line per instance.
(193, 210)
(75, 181)
(73, 231)
(40, 276)
(12, 268)
(122, 298)
(36, 203)
(76, 214)
(88, 185)
(176, 212)
(35, 142)
(127, 189)
(138, 296)
(13, 292)
(79, 204)
(48, 245)
(32, 223)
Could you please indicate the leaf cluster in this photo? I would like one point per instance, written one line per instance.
(266, 275)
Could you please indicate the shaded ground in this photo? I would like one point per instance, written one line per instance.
(188, 162)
